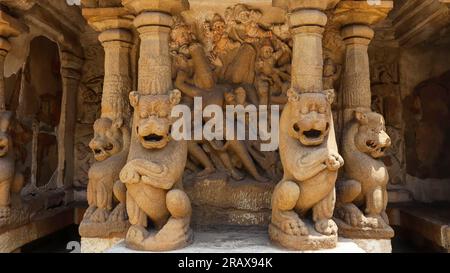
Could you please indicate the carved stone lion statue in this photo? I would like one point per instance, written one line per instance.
(311, 161)
(11, 181)
(153, 177)
(364, 143)
(110, 145)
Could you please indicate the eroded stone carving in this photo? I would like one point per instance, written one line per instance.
(362, 198)
(310, 160)
(153, 177)
(106, 216)
(11, 181)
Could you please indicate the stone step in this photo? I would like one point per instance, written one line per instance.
(256, 240)
(431, 222)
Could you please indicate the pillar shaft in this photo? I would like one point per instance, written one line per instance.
(155, 74)
(356, 78)
(153, 22)
(70, 75)
(114, 24)
(307, 20)
(356, 17)
(117, 82)
(9, 27)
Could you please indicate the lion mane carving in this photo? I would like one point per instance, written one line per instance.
(364, 143)
(110, 146)
(311, 161)
(153, 177)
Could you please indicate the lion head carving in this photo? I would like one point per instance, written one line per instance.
(5, 141)
(153, 126)
(310, 116)
(107, 139)
(371, 137)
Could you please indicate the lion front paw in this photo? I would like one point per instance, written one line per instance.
(136, 235)
(129, 175)
(326, 227)
(119, 214)
(292, 225)
(334, 162)
(376, 221)
(5, 212)
(351, 215)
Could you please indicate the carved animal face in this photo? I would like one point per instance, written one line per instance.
(310, 116)
(371, 138)
(154, 121)
(107, 139)
(5, 120)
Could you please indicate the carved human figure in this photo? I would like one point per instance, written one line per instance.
(272, 80)
(110, 146)
(11, 181)
(362, 198)
(239, 148)
(153, 177)
(311, 161)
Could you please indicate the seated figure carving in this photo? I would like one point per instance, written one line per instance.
(362, 198)
(106, 215)
(11, 181)
(311, 162)
(153, 177)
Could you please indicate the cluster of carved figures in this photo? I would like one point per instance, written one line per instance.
(136, 184)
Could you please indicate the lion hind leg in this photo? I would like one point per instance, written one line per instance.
(135, 213)
(284, 200)
(322, 214)
(375, 204)
(176, 231)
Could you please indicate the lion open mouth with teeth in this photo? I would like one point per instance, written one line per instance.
(106, 141)
(312, 116)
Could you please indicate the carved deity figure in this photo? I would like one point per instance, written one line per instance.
(310, 158)
(11, 181)
(362, 199)
(153, 177)
(110, 145)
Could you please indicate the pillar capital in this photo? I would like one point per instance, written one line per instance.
(148, 20)
(9, 26)
(102, 19)
(164, 6)
(361, 12)
(357, 34)
(294, 5)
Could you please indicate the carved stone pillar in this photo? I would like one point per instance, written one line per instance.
(155, 167)
(9, 27)
(106, 218)
(361, 196)
(307, 21)
(70, 74)
(356, 18)
(308, 152)
(153, 22)
(114, 25)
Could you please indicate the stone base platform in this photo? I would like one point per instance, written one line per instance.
(255, 240)
(98, 245)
